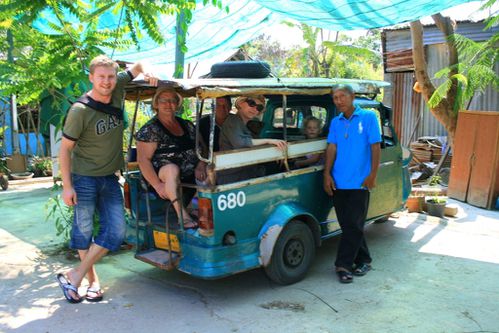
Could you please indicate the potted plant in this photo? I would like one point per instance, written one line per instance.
(415, 202)
(40, 166)
(435, 180)
(435, 206)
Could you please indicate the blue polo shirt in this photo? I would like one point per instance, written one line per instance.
(353, 139)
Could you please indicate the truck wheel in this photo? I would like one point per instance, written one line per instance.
(240, 69)
(4, 182)
(293, 254)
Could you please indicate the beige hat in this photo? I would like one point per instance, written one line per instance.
(241, 99)
(161, 90)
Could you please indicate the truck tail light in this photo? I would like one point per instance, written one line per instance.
(205, 217)
(126, 193)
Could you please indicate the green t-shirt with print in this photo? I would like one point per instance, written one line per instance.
(98, 136)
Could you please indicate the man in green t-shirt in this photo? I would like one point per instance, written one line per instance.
(90, 156)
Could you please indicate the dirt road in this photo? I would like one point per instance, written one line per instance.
(430, 275)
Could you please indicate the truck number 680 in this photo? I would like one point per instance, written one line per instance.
(231, 200)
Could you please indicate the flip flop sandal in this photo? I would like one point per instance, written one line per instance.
(97, 292)
(66, 286)
(344, 276)
(193, 223)
(362, 269)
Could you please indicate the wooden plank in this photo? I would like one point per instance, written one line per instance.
(481, 113)
(398, 61)
(256, 155)
(464, 141)
(484, 166)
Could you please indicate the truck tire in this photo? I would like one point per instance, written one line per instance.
(382, 219)
(240, 69)
(293, 253)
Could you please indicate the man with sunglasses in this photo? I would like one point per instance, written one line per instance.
(235, 135)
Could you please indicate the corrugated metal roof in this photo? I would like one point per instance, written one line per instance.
(401, 39)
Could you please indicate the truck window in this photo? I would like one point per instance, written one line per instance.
(296, 114)
(386, 131)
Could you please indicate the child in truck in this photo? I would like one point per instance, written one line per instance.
(311, 128)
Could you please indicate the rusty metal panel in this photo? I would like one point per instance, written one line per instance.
(397, 103)
(394, 98)
(399, 61)
(406, 105)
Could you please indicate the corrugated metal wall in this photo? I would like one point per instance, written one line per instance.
(488, 100)
(436, 58)
(408, 105)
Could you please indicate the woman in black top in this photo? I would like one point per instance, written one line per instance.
(166, 151)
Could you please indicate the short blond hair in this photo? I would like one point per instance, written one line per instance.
(103, 61)
(312, 118)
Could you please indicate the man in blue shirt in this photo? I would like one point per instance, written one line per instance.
(352, 160)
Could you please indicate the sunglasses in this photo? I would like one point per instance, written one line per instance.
(253, 104)
(167, 100)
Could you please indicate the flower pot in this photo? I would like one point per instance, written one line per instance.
(450, 210)
(414, 204)
(434, 208)
(21, 175)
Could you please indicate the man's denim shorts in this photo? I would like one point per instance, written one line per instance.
(101, 194)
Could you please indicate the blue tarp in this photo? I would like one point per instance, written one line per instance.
(213, 31)
(340, 15)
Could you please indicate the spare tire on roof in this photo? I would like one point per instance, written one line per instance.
(240, 69)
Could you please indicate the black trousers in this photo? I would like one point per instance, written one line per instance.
(351, 210)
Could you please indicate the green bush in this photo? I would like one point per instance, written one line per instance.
(62, 215)
(40, 166)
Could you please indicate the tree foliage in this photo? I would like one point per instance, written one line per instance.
(326, 54)
(474, 72)
(51, 62)
(470, 71)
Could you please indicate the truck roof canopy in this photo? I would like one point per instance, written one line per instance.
(212, 88)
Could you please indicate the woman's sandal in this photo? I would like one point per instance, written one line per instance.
(193, 224)
(362, 269)
(188, 223)
(344, 276)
